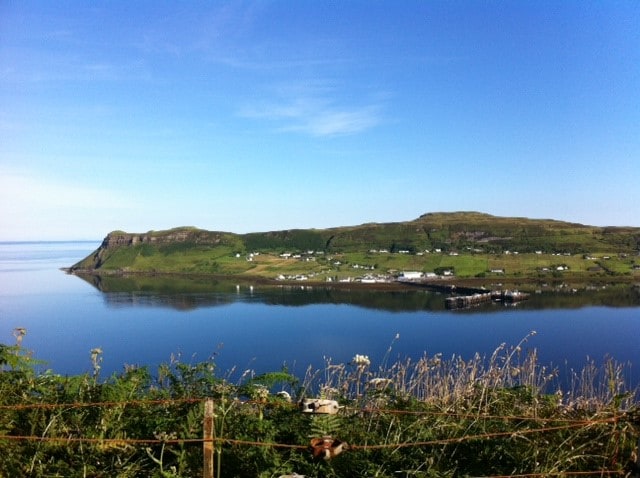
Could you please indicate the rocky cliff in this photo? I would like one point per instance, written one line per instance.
(119, 240)
(179, 235)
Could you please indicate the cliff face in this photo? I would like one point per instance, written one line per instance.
(181, 235)
(119, 240)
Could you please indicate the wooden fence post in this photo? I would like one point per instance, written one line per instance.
(207, 444)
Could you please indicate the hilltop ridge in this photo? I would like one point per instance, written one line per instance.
(469, 233)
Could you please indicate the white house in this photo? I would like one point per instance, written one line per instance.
(410, 275)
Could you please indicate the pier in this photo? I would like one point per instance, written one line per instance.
(466, 301)
(464, 297)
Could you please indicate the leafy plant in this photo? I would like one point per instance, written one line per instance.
(501, 415)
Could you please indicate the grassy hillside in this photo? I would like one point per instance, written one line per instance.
(469, 244)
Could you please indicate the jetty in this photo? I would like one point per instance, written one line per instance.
(478, 298)
(463, 297)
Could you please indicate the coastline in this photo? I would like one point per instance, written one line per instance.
(445, 285)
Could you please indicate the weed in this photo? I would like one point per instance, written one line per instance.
(502, 414)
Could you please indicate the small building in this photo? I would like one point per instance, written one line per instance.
(410, 275)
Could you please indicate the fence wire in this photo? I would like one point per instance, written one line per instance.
(567, 423)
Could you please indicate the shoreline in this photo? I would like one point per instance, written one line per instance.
(445, 285)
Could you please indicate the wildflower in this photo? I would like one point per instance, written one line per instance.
(361, 360)
(260, 392)
(96, 359)
(19, 333)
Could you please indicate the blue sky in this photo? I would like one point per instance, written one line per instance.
(254, 116)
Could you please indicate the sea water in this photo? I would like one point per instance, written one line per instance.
(254, 327)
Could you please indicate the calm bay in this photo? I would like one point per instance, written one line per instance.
(240, 325)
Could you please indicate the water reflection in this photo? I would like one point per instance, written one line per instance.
(250, 324)
(188, 293)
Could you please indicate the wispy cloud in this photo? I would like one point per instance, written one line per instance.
(315, 110)
(44, 69)
(218, 34)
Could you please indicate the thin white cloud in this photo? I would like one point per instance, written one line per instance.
(333, 122)
(38, 68)
(218, 33)
(313, 110)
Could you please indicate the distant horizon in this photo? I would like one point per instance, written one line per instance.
(46, 241)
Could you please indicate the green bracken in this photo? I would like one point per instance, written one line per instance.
(500, 415)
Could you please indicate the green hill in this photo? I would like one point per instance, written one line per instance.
(472, 243)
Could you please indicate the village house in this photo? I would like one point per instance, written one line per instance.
(410, 275)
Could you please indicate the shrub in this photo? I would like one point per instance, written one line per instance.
(503, 414)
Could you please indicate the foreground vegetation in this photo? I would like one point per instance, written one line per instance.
(467, 245)
(500, 415)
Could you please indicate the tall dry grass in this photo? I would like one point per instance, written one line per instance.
(469, 383)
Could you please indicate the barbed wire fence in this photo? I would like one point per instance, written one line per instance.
(209, 440)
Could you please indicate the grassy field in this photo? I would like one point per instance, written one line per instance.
(225, 260)
(464, 265)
